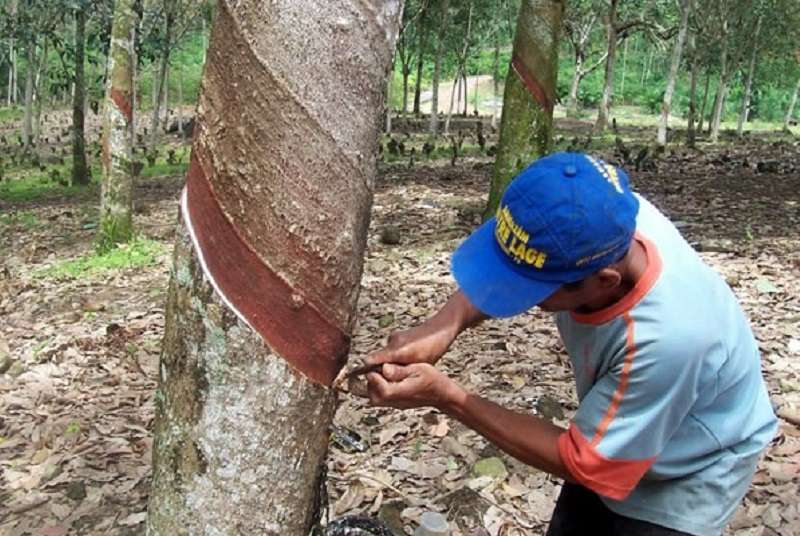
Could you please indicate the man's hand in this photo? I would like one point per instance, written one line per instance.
(429, 341)
(412, 386)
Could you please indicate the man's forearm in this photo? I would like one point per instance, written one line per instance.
(458, 314)
(530, 439)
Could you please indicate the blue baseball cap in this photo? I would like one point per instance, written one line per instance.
(563, 218)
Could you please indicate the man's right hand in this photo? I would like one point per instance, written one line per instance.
(430, 340)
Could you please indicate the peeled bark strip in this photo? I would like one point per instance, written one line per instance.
(285, 146)
(527, 122)
(116, 205)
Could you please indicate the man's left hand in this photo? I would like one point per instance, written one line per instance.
(411, 386)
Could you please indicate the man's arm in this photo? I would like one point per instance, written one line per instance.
(530, 439)
(427, 342)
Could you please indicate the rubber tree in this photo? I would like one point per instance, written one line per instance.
(80, 169)
(526, 126)
(116, 202)
(579, 23)
(675, 63)
(751, 73)
(267, 263)
(444, 20)
(787, 120)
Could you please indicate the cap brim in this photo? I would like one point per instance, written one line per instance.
(489, 282)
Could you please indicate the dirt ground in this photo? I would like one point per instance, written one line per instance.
(76, 403)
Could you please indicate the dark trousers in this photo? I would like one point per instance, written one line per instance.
(580, 512)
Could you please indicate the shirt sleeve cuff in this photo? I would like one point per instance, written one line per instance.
(610, 478)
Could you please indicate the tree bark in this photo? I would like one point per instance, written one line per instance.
(691, 133)
(608, 87)
(80, 169)
(702, 114)
(116, 204)
(30, 75)
(526, 127)
(677, 51)
(423, 38)
(787, 120)
(719, 99)
(281, 177)
(38, 94)
(748, 88)
(444, 19)
(162, 76)
(572, 103)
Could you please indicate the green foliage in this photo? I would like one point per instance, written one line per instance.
(140, 252)
(10, 114)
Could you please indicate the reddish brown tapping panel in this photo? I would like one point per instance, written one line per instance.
(122, 103)
(533, 85)
(294, 329)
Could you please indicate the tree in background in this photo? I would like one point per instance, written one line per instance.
(444, 20)
(580, 20)
(80, 169)
(116, 204)
(278, 191)
(527, 122)
(677, 52)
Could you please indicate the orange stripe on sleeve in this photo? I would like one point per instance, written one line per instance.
(616, 399)
(611, 478)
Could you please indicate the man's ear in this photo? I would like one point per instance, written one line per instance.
(608, 278)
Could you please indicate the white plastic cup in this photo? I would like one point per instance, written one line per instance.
(432, 524)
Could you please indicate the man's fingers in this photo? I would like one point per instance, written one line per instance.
(396, 373)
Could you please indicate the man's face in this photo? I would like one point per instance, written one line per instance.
(595, 292)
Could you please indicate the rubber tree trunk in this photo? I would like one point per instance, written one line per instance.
(787, 120)
(748, 87)
(719, 99)
(80, 169)
(526, 127)
(433, 123)
(39, 94)
(608, 87)
(572, 102)
(30, 78)
(677, 53)
(279, 189)
(691, 133)
(423, 39)
(702, 114)
(116, 204)
(162, 78)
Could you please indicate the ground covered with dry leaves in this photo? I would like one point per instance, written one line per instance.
(76, 390)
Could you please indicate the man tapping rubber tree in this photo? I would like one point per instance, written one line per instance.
(673, 411)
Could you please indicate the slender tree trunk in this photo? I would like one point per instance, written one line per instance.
(572, 103)
(38, 93)
(30, 78)
(433, 124)
(165, 118)
(624, 72)
(116, 205)
(526, 128)
(719, 99)
(10, 92)
(180, 106)
(455, 89)
(702, 115)
(787, 120)
(243, 414)
(162, 78)
(748, 88)
(406, 73)
(608, 88)
(677, 51)
(80, 169)
(423, 39)
(691, 134)
(495, 78)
